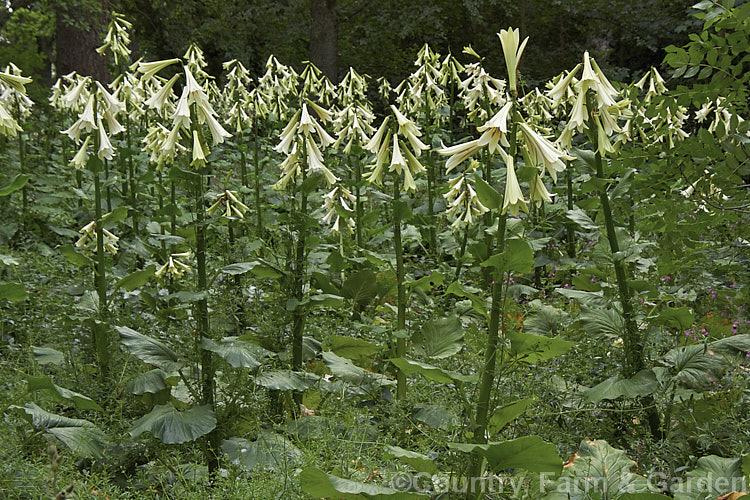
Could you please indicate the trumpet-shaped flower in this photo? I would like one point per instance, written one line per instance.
(82, 156)
(160, 98)
(509, 39)
(174, 267)
(409, 130)
(543, 151)
(538, 191)
(513, 199)
(199, 155)
(149, 69)
(84, 122)
(106, 151)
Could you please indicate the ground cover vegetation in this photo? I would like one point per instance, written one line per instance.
(457, 285)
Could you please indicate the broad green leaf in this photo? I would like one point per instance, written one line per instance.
(7, 260)
(579, 217)
(602, 322)
(600, 469)
(81, 436)
(477, 303)
(427, 283)
(623, 186)
(546, 320)
(74, 257)
(441, 338)
(350, 347)
(119, 214)
(60, 394)
(18, 182)
(353, 374)
(321, 281)
(506, 414)
(589, 299)
(694, 365)
(434, 373)
(585, 159)
(323, 300)
(318, 484)
(152, 382)
(285, 380)
(237, 353)
(530, 453)
(437, 417)
(149, 350)
(642, 383)
(361, 287)
(489, 197)
(531, 348)
(136, 279)
(517, 257)
(680, 317)
(714, 476)
(170, 426)
(238, 268)
(269, 450)
(48, 356)
(14, 292)
(417, 461)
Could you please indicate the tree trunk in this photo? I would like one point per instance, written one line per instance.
(324, 41)
(78, 36)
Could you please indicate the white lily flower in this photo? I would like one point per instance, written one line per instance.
(106, 151)
(82, 156)
(509, 39)
(513, 199)
(159, 99)
(543, 151)
(199, 156)
(538, 192)
(149, 69)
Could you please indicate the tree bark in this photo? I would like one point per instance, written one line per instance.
(324, 40)
(78, 35)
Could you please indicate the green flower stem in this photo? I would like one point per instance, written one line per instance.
(100, 339)
(570, 228)
(208, 371)
(108, 191)
(357, 194)
(401, 299)
(631, 339)
(256, 161)
(131, 172)
(461, 253)
(490, 354)
(299, 278)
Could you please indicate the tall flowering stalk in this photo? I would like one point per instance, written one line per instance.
(353, 130)
(303, 141)
(13, 96)
(509, 134)
(389, 145)
(100, 107)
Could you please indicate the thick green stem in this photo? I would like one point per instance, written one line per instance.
(131, 176)
(461, 253)
(357, 194)
(208, 371)
(490, 354)
(631, 340)
(299, 280)
(258, 207)
(100, 334)
(569, 226)
(22, 167)
(401, 298)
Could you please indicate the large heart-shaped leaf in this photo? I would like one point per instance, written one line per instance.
(81, 436)
(597, 469)
(506, 414)
(48, 356)
(171, 426)
(351, 347)
(434, 373)
(18, 182)
(152, 382)
(441, 338)
(269, 450)
(601, 321)
(531, 348)
(285, 380)
(318, 484)
(149, 350)
(136, 279)
(518, 257)
(714, 476)
(642, 383)
(237, 353)
(530, 453)
(419, 462)
(361, 287)
(353, 374)
(60, 394)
